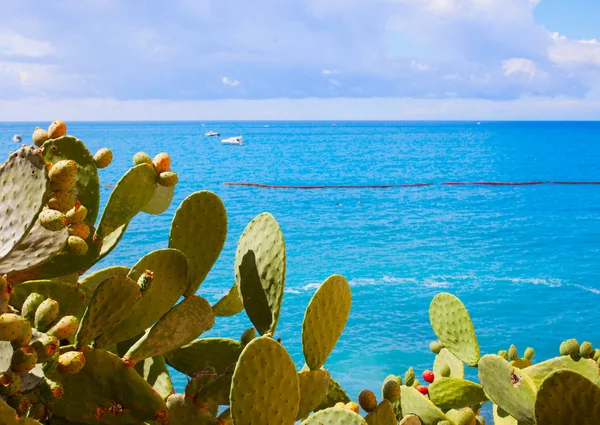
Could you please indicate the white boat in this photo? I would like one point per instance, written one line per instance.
(237, 140)
(17, 138)
(211, 133)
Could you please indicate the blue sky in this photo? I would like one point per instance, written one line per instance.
(300, 59)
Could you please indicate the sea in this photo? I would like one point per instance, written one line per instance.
(525, 260)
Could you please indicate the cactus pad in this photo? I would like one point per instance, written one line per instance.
(230, 304)
(183, 323)
(89, 283)
(160, 202)
(264, 377)
(183, 411)
(260, 271)
(103, 313)
(71, 299)
(586, 367)
(383, 415)
(105, 391)
(335, 394)
(415, 403)
(198, 230)
(567, 398)
(23, 183)
(170, 280)
(335, 416)
(452, 325)
(39, 246)
(111, 241)
(314, 385)
(501, 417)
(219, 353)
(446, 358)
(87, 186)
(508, 387)
(132, 192)
(325, 319)
(454, 393)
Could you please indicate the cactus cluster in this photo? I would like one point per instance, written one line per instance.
(71, 355)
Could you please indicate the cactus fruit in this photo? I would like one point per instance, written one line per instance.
(464, 416)
(513, 354)
(71, 362)
(529, 353)
(428, 376)
(80, 230)
(13, 327)
(422, 389)
(352, 406)
(168, 179)
(367, 400)
(391, 391)
(409, 377)
(39, 136)
(63, 175)
(57, 129)
(586, 350)
(446, 358)
(10, 382)
(569, 347)
(145, 280)
(445, 371)
(435, 347)
(46, 314)
(247, 336)
(62, 201)
(23, 360)
(52, 220)
(45, 347)
(141, 158)
(503, 354)
(31, 304)
(77, 214)
(103, 158)
(65, 328)
(77, 246)
(162, 162)
(18, 402)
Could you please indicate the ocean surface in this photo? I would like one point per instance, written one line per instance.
(525, 260)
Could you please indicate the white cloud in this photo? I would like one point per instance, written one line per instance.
(14, 44)
(334, 82)
(329, 71)
(567, 52)
(519, 66)
(419, 66)
(229, 82)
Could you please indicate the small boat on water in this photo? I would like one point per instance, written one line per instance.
(237, 140)
(17, 138)
(211, 133)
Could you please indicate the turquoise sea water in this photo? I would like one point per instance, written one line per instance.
(525, 260)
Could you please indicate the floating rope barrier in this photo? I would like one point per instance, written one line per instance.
(392, 186)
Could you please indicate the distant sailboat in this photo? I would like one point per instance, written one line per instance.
(211, 133)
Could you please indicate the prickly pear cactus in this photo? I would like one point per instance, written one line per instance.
(313, 385)
(452, 325)
(415, 403)
(335, 416)
(586, 367)
(453, 393)
(264, 376)
(383, 415)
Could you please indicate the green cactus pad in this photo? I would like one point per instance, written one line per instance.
(260, 271)
(39, 246)
(446, 358)
(23, 183)
(161, 201)
(325, 319)
(89, 283)
(415, 403)
(454, 393)
(183, 323)
(508, 387)
(198, 230)
(132, 192)
(586, 367)
(8, 416)
(104, 382)
(314, 385)
(170, 280)
(452, 325)
(103, 313)
(111, 241)
(567, 398)
(71, 299)
(334, 416)
(265, 376)
(383, 415)
(502, 418)
(218, 353)
(183, 411)
(335, 394)
(88, 184)
(230, 304)
(154, 371)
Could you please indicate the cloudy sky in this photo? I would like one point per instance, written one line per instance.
(299, 59)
